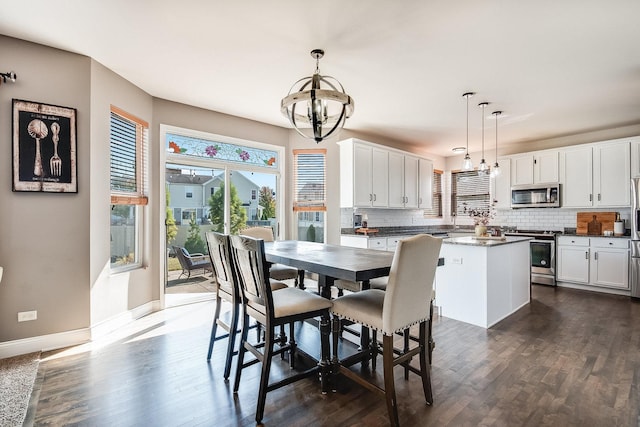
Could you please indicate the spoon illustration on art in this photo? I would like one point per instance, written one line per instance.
(38, 130)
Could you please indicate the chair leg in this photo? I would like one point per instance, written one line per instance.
(214, 327)
(264, 376)
(336, 332)
(389, 384)
(231, 345)
(430, 341)
(242, 349)
(373, 349)
(425, 368)
(292, 346)
(300, 280)
(405, 336)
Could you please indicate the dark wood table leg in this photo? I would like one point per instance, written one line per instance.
(325, 362)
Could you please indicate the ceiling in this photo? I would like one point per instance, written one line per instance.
(555, 68)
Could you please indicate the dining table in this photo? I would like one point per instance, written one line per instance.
(330, 262)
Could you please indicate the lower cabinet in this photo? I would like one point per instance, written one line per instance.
(379, 243)
(593, 261)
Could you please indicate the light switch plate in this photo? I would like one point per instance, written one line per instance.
(25, 316)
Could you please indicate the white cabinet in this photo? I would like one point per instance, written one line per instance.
(403, 181)
(377, 243)
(576, 166)
(377, 177)
(635, 157)
(364, 175)
(573, 259)
(597, 175)
(594, 261)
(610, 262)
(425, 184)
(612, 175)
(502, 185)
(535, 168)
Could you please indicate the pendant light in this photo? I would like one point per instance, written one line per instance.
(483, 167)
(496, 168)
(467, 164)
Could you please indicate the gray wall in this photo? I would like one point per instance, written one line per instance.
(44, 237)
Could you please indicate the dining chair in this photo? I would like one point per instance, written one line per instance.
(272, 309)
(276, 271)
(226, 282)
(406, 302)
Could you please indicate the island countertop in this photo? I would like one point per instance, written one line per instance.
(473, 241)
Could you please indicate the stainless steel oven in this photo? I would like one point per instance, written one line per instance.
(542, 255)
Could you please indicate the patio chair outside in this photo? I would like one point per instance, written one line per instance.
(190, 262)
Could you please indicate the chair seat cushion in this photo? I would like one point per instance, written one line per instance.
(275, 285)
(363, 307)
(293, 301)
(379, 283)
(282, 272)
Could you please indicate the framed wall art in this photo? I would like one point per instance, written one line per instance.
(44, 148)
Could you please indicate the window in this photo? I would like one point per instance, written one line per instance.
(188, 192)
(309, 200)
(128, 176)
(254, 194)
(436, 207)
(470, 190)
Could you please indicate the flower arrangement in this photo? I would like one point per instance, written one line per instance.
(480, 216)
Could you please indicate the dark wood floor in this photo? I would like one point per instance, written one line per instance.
(571, 358)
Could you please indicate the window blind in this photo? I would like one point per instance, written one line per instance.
(128, 146)
(309, 180)
(470, 190)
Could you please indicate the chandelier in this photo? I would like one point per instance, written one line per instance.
(319, 107)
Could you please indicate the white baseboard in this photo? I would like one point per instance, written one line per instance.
(44, 342)
(75, 337)
(107, 326)
(594, 288)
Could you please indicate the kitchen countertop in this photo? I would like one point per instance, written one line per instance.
(592, 235)
(405, 231)
(472, 241)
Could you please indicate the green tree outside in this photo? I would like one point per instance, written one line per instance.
(194, 242)
(268, 203)
(216, 213)
(171, 227)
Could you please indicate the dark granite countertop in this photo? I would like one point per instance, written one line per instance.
(406, 231)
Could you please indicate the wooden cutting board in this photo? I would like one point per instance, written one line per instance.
(603, 221)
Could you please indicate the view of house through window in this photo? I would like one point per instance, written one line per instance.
(129, 182)
(207, 206)
(309, 201)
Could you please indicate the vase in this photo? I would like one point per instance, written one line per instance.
(481, 230)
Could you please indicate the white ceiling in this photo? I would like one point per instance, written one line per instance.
(555, 68)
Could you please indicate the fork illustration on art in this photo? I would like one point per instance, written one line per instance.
(55, 163)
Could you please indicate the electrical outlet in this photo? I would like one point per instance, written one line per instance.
(456, 260)
(25, 316)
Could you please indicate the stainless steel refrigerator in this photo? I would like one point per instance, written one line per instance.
(635, 238)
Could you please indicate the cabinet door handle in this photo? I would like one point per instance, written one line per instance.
(591, 197)
(595, 256)
(374, 197)
(370, 197)
(586, 255)
(598, 196)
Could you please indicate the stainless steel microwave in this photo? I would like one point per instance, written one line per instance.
(535, 196)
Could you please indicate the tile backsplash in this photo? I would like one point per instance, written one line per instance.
(534, 219)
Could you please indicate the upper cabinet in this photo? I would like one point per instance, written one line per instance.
(535, 168)
(364, 176)
(635, 157)
(502, 185)
(425, 184)
(374, 176)
(403, 180)
(596, 175)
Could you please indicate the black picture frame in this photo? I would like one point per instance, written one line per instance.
(44, 148)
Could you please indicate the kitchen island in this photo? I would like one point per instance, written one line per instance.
(483, 281)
